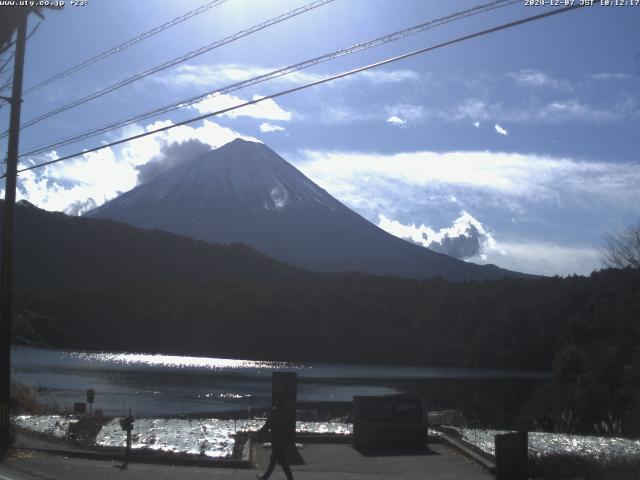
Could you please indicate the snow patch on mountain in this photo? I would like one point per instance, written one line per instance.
(279, 195)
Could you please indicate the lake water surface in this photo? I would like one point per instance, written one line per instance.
(162, 385)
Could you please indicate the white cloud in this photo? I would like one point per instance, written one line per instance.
(468, 239)
(408, 112)
(605, 76)
(536, 178)
(218, 75)
(267, 127)
(561, 203)
(465, 238)
(470, 109)
(535, 78)
(500, 130)
(100, 176)
(389, 76)
(543, 258)
(395, 120)
(336, 115)
(570, 109)
(574, 109)
(267, 109)
(171, 155)
(531, 77)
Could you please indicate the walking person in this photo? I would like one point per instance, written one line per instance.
(276, 425)
(127, 425)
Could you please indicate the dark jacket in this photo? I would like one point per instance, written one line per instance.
(276, 425)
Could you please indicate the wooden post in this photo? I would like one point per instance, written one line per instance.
(6, 275)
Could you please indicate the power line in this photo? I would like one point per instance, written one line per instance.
(6, 62)
(7, 46)
(13, 52)
(175, 61)
(123, 45)
(503, 26)
(276, 73)
(9, 80)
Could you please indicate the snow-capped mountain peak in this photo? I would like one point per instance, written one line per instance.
(245, 192)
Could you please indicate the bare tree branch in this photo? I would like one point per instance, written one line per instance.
(622, 248)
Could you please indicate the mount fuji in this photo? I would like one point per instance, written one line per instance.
(245, 192)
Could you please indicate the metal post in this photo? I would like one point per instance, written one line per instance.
(6, 276)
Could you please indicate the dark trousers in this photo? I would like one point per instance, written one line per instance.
(128, 446)
(278, 455)
(127, 451)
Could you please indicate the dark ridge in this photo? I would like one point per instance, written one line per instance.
(54, 250)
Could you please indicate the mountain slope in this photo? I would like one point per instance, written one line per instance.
(245, 192)
(53, 250)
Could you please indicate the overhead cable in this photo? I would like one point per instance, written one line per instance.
(7, 84)
(504, 26)
(398, 35)
(13, 52)
(175, 61)
(123, 46)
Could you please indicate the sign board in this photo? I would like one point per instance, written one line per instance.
(90, 395)
(79, 407)
(127, 423)
(390, 409)
(512, 454)
(389, 422)
(288, 383)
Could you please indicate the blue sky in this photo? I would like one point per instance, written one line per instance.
(526, 139)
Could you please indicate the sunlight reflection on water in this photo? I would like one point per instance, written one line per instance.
(55, 425)
(175, 361)
(211, 437)
(542, 443)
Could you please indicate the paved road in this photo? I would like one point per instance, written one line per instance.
(321, 461)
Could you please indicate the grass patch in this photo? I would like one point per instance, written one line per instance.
(24, 400)
(574, 466)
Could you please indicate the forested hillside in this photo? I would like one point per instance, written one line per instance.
(54, 250)
(509, 323)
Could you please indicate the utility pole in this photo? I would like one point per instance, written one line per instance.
(6, 275)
